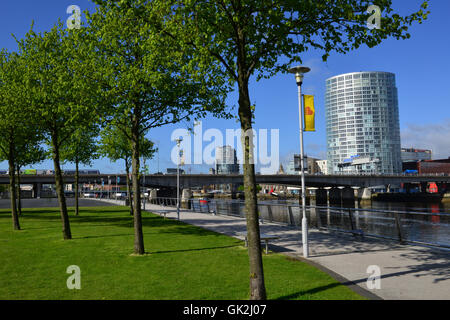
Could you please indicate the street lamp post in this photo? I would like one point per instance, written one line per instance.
(299, 71)
(178, 178)
(144, 183)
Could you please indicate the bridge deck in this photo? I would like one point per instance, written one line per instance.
(198, 180)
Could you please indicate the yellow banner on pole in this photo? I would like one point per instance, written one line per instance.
(309, 113)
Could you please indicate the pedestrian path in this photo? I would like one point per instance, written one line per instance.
(407, 271)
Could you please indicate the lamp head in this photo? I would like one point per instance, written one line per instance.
(299, 71)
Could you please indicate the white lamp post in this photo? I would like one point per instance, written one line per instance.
(299, 71)
(145, 171)
(178, 177)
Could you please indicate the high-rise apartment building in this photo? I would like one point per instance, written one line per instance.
(362, 120)
(226, 160)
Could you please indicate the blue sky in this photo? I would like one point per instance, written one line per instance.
(421, 65)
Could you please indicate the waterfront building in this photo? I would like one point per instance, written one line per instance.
(323, 166)
(174, 171)
(226, 160)
(362, 121)
(290, 169)
(441, 166)
(311, 166)
(412, 154)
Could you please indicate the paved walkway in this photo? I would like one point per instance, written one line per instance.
(407, 271)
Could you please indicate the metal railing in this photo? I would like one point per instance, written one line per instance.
(403, 226)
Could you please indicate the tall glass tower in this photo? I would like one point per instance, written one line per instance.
(226, 160)
(363, 131)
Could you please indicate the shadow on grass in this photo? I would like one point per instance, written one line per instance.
(316, 290)
(197, 249)
(105, 236)
(121, 218)
(189, 230)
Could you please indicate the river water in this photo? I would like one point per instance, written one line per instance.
(416, 222)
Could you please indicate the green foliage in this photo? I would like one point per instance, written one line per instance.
(20, 137)
(57, 89)
(146, 83)
(81, 147)
(29, 152)
(250, 37)
(115, 144)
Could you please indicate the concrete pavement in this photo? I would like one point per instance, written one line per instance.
(407, 271)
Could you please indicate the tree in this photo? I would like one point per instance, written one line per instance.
(20, 134)
(263, 37)
(80, 148)
(28, 152)
(10, 121)
(116, 146)
(58, 93)
(146, 82)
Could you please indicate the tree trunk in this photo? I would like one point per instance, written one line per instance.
(60, 189)
(19, 196)
(257, 286)
(12, 189)
(138, 235)
(77, 175)
(130, 198)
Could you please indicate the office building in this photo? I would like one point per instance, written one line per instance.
(174, 171)
(411, 154)
(323, 166)
(362, 121)
(311, 165)
(441, 166)
(226, 160)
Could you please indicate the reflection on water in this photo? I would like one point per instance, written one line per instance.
(440, 207)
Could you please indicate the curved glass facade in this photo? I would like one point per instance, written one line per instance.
(362, 117)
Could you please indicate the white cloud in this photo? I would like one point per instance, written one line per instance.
(428, 136)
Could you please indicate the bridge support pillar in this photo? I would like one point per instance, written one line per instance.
(321, 196)
(348, 195)
(408, 187)
(233, 190)
(334, 196)
(313, 216)
(37, 187)
(186, 195)
(423, 187)
(442, 187)
(365, 194)
(152, 195)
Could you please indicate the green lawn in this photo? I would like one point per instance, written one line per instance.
(184, 262)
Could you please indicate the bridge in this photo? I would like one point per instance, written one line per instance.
(167, 183)
(199, 180)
